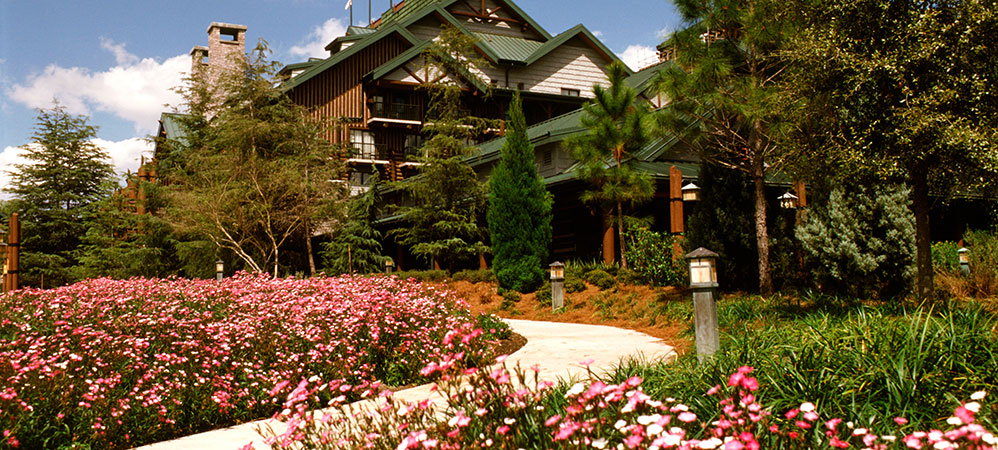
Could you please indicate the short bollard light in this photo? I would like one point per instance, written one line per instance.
(703, 280)
(557, 285)
(219, 269)
(389, 265)
(964, 254)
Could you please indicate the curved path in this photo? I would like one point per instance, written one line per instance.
(558, 348)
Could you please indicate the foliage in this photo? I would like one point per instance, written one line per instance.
(423, 275)
(726, 95)
(983, 279)
(253, 173)
(443, 225)
(862, 242)
(722, 222)
(121, 244)
(945, 257)
(356, 248)
(519, 212)
(509, 299)
(983, 246)
(493, 326)
(630, 409)
(600, 279)
(475, 276)
(651, 256)
(118, 364)
(901, 92)
(53, 194)
(573, 285)
(614, 121)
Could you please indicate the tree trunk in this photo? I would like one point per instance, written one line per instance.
(609, 252)
(620, 235)
(923, 244)
(762, 232)
(308, 248)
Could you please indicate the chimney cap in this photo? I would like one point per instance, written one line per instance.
(226, 27)
(199, 50)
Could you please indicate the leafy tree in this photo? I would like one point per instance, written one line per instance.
(66, 174)
(902, 91)
(357, 247)
(614, 119)
(253, 172)
(862, 242)
(443, 224)
(519, 212)
(726, 88)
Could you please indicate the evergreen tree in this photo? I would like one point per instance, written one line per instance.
(614, 119)
(54, 191)
(357, 247)
(726, 91)
(443, 225)
(253, 172)
(519, 212)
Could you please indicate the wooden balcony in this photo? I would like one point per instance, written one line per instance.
(399, 113)
(369, 153)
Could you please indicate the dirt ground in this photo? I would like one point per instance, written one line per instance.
(632, 307)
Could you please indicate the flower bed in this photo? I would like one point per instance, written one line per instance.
(123, 363)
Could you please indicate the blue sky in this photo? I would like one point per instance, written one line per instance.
(116, 60)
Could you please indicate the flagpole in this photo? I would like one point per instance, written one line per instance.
(369, 13)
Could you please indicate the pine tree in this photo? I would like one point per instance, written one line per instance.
(54, 191)
(725, 92)
(443, 225)
(616, 129)
(357, 247)
(519, 214)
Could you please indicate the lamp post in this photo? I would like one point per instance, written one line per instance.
(557, 285)
(964, 255)
(219, 269)
(691, 193)
(389, 265)
(703, 280)
(788, 201)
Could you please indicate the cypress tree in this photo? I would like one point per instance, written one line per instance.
(519, 214)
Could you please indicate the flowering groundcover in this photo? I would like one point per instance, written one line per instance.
(115, 364)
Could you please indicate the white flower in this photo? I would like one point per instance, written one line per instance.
(576, 389)
(654, 429)
(979, 395)
(600, 443)
(711, 443)
(973, 406)
(954, 421)
(807, 407)
(509, 421)
(648, 420)
(620, 424)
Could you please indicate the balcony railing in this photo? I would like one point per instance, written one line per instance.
(369, 151)
(397, 111)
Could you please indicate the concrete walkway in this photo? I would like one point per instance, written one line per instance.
(557, 348)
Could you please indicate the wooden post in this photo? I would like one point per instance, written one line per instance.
(801, 194)
(13, 247)
(609, 249)
(675, 200)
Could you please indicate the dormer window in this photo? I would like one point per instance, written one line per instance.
(570, 92)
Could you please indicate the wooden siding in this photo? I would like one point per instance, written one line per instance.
(494, 27)
(338, 92)
(568, 66)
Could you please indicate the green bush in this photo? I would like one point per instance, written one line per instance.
(509, 299)
(600, 278)
(983, 246)
(423, 275)
(944, 256)
(573, 285)
(494, 327)
(862, 243)
(474, 276)
(543, 293)
(650, 253)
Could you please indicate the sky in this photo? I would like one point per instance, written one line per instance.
(116, 61)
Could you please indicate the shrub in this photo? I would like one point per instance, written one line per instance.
(862, 243)
(423, 275)
(600, 279)
(493, 327)
(509, 299)
(945, 257)
(475, 276)
(573, 285)
(650, 254)
(543, 293)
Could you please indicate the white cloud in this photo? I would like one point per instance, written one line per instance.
(598, 34)
(135, 90)
(125, 156)
(314, 45)
(638, 57)
(666, 32)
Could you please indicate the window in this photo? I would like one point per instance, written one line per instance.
(546, 157)
(570, 92)
(362, 145)
(360, 178)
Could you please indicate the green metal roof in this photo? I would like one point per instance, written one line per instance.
(355, 30)
(576, 31)
(417, 8)
(396, 62)
(508, 48)
(173, 125)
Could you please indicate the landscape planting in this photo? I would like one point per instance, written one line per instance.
(116, 364)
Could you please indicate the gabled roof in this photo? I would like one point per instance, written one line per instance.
(171, 125)
(407, 9)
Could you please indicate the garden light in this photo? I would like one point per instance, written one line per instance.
(703, 280)
(964, 255)
(389, 265)
(219, 269)
(788, 201)
(691, 193)
(557, 285)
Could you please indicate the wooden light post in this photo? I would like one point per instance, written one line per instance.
(12, 266)
(557, 285)
(703, 280)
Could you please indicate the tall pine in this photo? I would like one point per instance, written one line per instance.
(519, 214)
(65, 174)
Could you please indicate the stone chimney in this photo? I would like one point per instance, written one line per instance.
(225, 51)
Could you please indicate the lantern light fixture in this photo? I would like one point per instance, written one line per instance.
(691, 192)
(788, 200)
(219, 269)
(703, 268)
(557, 271)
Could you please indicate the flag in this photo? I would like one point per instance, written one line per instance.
(349, 5)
